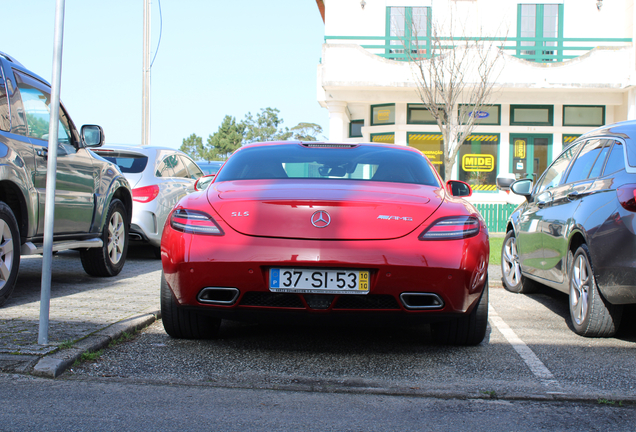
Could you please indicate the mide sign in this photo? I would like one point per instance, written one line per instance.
(478, 162)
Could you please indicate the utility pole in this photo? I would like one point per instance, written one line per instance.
(145, 97)
(51, 169)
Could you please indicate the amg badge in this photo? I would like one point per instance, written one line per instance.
(403, 218)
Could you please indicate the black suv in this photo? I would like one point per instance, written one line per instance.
(93, 201)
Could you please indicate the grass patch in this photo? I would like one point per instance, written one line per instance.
(490, 393)
(66, 344)
(495, 250)
(125, 336)
(603, 401)
(89, 357)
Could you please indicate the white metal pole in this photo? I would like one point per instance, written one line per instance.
(145, 97)
(51, 169)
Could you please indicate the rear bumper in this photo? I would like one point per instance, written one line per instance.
(454, 271)
(618, 285)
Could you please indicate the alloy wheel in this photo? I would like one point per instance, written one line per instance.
(579, 289)
(510, 261)
(6, 253)
(116, 233)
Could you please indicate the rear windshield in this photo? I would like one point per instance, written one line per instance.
(128, 164)
(294, 161)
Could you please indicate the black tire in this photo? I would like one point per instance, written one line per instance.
(109, 259)
(591, 314)
(156, 251)
(9, 252)
(182, 323)
(511, 276)
(465, 330)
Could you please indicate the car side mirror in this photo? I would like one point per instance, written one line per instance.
(505, 180)
(92, 135)
(202, 183)
(522, 187)
(458, 188)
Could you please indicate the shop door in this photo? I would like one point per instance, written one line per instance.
(530, 155)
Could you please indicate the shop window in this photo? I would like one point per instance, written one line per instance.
(531, 115)
(485, 115)
(355, 128)
(410, 32)
(569, 139)
(382, 114)
(478, 162)
(432, 145)
(387, 138)
(420, 114)
(574, 115)
(541, 27)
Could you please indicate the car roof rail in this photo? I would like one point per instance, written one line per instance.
(11, 59)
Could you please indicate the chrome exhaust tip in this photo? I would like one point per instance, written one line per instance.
(412, 300)
(218, 295)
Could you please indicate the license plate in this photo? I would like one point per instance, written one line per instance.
(320, 281)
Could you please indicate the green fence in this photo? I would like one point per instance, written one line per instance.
(496, 215)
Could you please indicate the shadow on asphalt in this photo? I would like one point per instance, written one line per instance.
(557, 302)
(392, 338)
(68, 275)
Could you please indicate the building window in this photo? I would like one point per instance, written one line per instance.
(576, 115)
(486, 115)
(432, 145)
(531, 115)
(382, 114)
(541, 27)
(478, 162)
(355, 128)
(387, 138)
(410, 32)
(569, 139)
(420, 114)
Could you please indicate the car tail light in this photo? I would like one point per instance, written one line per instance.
(194, 222)
(452, 228)
(145, 194)
(627, 196)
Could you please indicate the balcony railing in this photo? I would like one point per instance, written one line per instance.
(540, 50)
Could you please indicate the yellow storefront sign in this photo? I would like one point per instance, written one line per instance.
(478, 162)
(520, 148)
(384, 115)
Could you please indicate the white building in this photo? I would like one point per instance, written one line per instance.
(582, 77)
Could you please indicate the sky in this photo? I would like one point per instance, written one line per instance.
(215, 58)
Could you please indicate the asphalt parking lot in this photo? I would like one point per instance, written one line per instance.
(529, 353)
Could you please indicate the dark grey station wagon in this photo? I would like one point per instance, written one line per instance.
(93, 201)
(576, 231)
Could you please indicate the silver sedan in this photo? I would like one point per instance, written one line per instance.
(159, 177)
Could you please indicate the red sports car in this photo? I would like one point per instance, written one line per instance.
(327, 232)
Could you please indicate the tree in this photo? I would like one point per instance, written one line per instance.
(193, 146)
(232, 134)
(451, 70)
(226, 139)
(265, 127)
(306, 131)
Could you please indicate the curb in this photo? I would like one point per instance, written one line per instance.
(53, 365)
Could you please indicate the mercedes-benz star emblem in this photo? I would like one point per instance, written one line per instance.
(320, 219)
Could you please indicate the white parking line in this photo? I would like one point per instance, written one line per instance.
(527, 355)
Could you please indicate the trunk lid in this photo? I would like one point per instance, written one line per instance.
(354, 210)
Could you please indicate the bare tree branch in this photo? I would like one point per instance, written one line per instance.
(453, 68)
